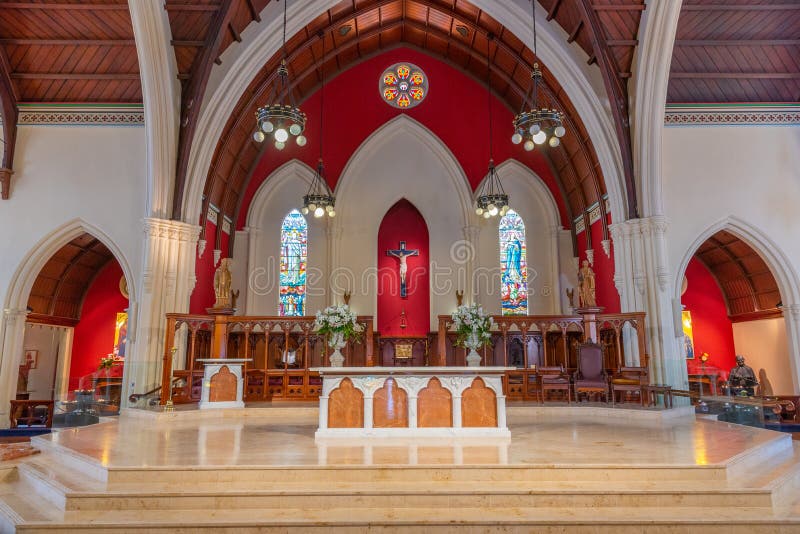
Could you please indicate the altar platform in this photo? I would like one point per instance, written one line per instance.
(259, 469)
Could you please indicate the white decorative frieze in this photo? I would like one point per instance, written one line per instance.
(580, 225)
(594, 213)
(82, 115)
(746, 115)
(213, 215)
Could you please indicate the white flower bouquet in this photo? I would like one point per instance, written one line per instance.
(474, 329)
(340, 325)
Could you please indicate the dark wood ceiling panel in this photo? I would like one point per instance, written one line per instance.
(71, 51)
(745, 279)
(61, 285)
(738, 51)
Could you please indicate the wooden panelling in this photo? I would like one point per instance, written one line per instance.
(745, 279)
(736, 52)
(60, 286)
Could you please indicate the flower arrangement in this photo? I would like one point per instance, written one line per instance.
(339, 323)
(106, 362)
(473, 326)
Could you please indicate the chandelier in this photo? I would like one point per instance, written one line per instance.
(282, 119)
(539, 124)
(492, 199)
(319, 199)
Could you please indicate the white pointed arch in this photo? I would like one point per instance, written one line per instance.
(242, 61)
(780, 266)
(12, 327)
(291, 171)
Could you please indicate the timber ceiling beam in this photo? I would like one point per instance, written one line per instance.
(617, 90)
(10, 114)
(194, 91)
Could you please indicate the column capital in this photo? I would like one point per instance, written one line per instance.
(168, 229)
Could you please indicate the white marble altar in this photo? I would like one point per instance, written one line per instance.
(412, 402)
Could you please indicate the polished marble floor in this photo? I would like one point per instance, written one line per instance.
(285, 437)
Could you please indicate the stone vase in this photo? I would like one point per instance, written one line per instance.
(473, 358)
(337, 342)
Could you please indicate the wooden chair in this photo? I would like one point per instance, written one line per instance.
(553, 378)
(628, 380)
(591, 376)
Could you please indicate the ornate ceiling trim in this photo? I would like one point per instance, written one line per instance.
(81, 115)
(733, 115)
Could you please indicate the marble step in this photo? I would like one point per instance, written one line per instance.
(65, 489)
(427, 519)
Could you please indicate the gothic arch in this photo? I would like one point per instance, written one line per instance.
(290, 171)
(12, 328)
(780, 266)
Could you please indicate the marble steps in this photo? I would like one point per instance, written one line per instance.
(750, 520)
(68, 489)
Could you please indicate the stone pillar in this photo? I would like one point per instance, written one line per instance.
(644, 284)
(168, 276)
(12, 350)
(465, 258)
(791, 315)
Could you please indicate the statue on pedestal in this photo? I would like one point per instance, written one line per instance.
(222, 284)
(586, 286)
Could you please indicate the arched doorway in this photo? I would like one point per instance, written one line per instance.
(61, 317)
(76, 330)
(731, 303)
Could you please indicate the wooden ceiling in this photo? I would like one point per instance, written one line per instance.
(736, 51)
(745, 279)
(70, 51)
(456, 32)
(58, 291)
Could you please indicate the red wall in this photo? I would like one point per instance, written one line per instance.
(713, 332)
(603, 267)
(203, 295)
(403, 223)
(94, 333)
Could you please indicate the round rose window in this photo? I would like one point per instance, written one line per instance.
(403, 85)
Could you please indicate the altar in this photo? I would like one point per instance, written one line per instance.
(412, 402)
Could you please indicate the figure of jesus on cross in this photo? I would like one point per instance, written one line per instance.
(402, 253)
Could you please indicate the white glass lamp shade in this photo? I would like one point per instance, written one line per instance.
(486, 215)
(319, 212)
(304, 210)
(540, 137)
(281, 135)
(529, 145)
(479, 211)
(535, 129)
(312, 207)
(295, 129)
(301, 140)
(516, 138)
(267, 126)
(259, 136)
(560, 131)
(493, 211)
(279, 145)
(332, 213)
(554, 141)
(329, 208)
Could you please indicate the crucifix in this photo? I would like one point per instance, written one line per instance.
(402, 253)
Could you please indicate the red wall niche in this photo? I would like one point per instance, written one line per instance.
(94, 333)
(203, 295)
(713, 331)
(403, 222)
(603, 267)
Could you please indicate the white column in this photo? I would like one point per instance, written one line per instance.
(643, 281)
(161, 92)
(471, 250)
(555, 269)
(168, 278)
(12, 351)
(412, 411)
(457, 411)
(368, 419)
(791, 315)
(323, 412)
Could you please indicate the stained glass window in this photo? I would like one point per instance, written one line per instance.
(294, 253)
(403, 85)
(513, 265)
